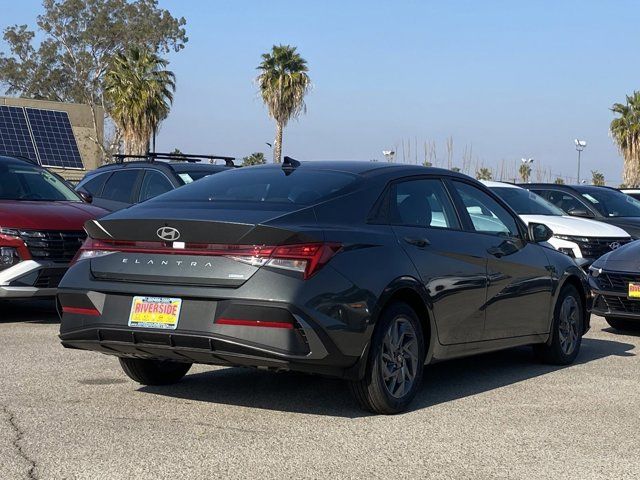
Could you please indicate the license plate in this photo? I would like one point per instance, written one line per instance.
(634, 290)
(155, 312)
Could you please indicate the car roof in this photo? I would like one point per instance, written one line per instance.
(365, 167)
(560, 186)
(174, 166)
(18, 161)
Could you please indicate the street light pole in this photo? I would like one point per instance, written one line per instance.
(580, 144)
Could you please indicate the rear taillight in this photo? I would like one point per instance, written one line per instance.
(306, 258)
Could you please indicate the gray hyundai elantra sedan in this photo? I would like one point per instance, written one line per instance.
(359, 270)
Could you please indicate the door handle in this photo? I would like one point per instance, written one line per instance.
(417, 242)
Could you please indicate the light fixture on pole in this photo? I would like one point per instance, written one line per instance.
(580, 144)
(389, 154)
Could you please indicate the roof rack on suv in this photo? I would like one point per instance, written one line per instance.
(176, 157)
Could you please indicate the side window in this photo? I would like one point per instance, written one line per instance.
(94, 185)
(487, 215)
(120, 186)
(422, 203)
(153, 184)
(564, 201)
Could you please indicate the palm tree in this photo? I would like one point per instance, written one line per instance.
(283, 82)
(625, 131)
(597, 178)
(525, 172)
(484, 174)
(559, 181)
(139, 90)
(256, 158)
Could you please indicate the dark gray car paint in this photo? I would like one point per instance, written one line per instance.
(342, 302)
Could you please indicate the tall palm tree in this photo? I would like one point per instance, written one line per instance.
(625, 130)
(525, 172)
(283, 82)
(139, 91)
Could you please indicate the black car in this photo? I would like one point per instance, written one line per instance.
(615, 282)
(358, 270)
(604, 204)
(118, 185)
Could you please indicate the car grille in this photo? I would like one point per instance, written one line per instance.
(55, 246)
(617, 281)
(595, 247)
(49, 278)
(621, 304)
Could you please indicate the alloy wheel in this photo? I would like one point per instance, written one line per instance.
(568, 326)
(399, 357)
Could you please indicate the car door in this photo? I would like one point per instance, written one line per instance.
(519, 278)
(153, 184)
(451, 265)
(119, 189)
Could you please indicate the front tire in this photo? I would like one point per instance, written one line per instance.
(623, 324)
(566, 331)
(154, 372)
(395, 363)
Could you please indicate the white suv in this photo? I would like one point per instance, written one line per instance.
(583, 239)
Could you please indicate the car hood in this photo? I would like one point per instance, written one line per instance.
(623, 259)
(577, 227)
(33, 215)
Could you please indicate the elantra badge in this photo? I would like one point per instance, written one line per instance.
(169, 234)
(614, 245)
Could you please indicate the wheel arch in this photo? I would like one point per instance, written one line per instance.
(410, 291)
(577, 281)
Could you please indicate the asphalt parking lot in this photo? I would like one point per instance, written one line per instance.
(72, 414)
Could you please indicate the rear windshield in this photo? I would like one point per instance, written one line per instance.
(265, 185)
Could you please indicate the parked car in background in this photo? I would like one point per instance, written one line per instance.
(604, 204)
(119, 185)
(583, 239)
(41, 228)
(359, 270)
(632, 192)
(615, 282)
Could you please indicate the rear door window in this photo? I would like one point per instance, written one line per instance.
(120, 186)
(154, 184)
(422, 203)
(94, 184)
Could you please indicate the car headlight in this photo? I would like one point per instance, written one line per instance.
(8, 257)
(567, 251)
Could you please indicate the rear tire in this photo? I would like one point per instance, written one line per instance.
(566, 330)
(395, 363)
(623, 324)
(154, 372)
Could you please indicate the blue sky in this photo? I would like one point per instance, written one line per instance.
(510, 79)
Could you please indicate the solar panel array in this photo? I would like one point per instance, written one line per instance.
(42, 135)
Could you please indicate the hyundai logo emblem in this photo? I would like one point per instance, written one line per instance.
(614, 245)
(169, 234)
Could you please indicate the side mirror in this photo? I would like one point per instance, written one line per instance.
(539, 232)
(580, 212)
(85, 196)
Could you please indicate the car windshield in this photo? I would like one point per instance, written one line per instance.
(23, 182)
(304, 186)
(525, 202)
(611, 203)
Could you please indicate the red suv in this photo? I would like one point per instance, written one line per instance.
(41, 228)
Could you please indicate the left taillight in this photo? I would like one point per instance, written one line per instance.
(92, 248)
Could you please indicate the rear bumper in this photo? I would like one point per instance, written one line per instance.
(31, 278)
(198, 339)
